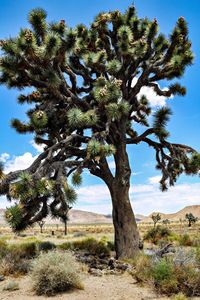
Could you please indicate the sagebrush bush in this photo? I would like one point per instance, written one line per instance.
(46, 246)
(55, 272)
(156, 234)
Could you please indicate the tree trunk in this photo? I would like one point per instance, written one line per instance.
(65, 222)
(126, 233)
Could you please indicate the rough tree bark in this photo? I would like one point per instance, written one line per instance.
(126, 233)
(65, 223)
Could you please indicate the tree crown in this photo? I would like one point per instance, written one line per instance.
(84, 84)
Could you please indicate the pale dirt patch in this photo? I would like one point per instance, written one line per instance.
(108, 287)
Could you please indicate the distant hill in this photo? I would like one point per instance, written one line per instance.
(84, 217)
(194, 209)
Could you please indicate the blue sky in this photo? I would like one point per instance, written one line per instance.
(18, 151)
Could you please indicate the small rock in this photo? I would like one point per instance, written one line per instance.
(11, 286)
(95, 272)
(2, 278)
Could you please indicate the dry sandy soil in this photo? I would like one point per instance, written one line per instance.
(108, 287)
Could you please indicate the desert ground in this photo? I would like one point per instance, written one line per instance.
(118, 287)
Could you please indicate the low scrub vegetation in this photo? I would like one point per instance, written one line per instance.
(89, 244)
(157, 233)
(46, 246)
(55, 272)
(170, 275)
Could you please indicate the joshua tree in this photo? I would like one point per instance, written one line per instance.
(85, 106)
(62, 213)
(41, 224)
(156, 218)
(166, 221)
(191, 219)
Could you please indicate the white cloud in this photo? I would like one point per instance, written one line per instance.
(151, 95)
(4, 157)
(19, 162)
(155, 179)
(144, 198)
(38, 148)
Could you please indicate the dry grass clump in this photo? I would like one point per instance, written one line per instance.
(15, 259)
(55, 272)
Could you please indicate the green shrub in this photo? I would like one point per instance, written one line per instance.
(185, 240)
(55, 272)
(24, 250)
(46, 246)
(65, 246)
(164, 277)
(158, 233)
(90, 244)
(93, 246)
(167, 277)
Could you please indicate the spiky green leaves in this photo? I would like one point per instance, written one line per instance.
(14, 216)
(52, 44)
(71, 195)
(39, 119)
(37, 19)
(115, 111)
(79, 119)
(125, 37)
(21, 127)
(76, 179)
(161, 117)
(70, 39)
(95, 149)
(44, 186)
(114, 66)
(94, 59)
(125, 34)
(75, 116)
(26, 188)
(194, 164)
(109, 92)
